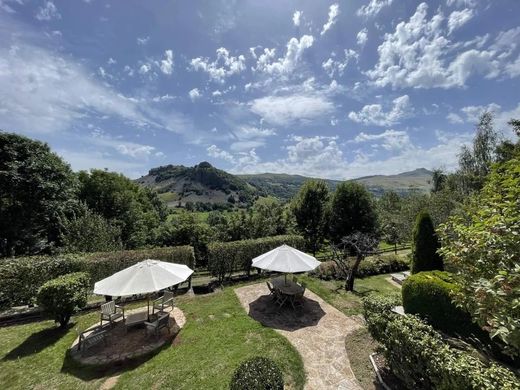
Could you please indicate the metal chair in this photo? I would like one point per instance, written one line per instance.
(111, 312)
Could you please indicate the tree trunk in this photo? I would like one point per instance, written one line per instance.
(349, 283)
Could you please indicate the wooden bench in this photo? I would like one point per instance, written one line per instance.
(92, 337)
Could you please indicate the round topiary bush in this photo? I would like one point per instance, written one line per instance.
(429, 295)
(258, 373)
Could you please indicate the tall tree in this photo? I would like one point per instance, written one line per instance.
(37, 192)
(309, 208)
(268, 218)
(425, 245)
(351, 210)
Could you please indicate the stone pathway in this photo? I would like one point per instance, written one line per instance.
(317, 331)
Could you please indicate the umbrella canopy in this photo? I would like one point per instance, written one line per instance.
(286, 259)
(145, 277)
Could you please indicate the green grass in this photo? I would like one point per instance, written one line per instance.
(218, 335)
(360, 345)
(350, 303)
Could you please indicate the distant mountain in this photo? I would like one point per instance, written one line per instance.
(204, 183)
(178, 184)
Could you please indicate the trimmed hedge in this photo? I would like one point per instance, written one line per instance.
(417, 354)
(375, 265)
(258, 373)
(224, 258)
(21, 277)
(428, 294)
(63, 296)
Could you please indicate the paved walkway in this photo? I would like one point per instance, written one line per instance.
(317, 331)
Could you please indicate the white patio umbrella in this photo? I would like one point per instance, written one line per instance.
(286, 259)
(145, 277)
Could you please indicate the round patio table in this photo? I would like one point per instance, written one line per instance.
(289, 288)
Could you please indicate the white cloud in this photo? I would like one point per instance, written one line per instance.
(223, 66)
(48, 12)
(473, 112)
(135, 150)
(285, 110)
(4, 5)
(389, 139)
(295, 48)
(461, 3)
(167, 64)
(141, 41)
(417, 55)
(215, 152)
(454, 118)
(333, 15)
(296, 17)
(362, 37)
(111, 61)
(194, 94)
(375, 114)
(145, 68)
(335, 67)
(459, 18)
(373, 8)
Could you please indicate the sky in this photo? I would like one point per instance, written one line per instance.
(324, 89)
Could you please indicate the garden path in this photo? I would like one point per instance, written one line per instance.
(317, 331)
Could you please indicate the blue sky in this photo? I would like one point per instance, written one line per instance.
(326, 89)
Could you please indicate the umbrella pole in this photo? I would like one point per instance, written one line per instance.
(286, 279)
(148, 306)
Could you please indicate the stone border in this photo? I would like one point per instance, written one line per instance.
(176, 315)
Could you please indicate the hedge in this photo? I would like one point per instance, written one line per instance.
(21, 277)
(428, 294)
(417, 354)
(375, 265)
(224, 258)
(258, 373)
(63, 296)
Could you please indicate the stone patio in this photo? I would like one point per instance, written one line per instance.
(125, 345)
(317, 331)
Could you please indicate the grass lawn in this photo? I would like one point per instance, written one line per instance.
(350, 303)
(218, 335)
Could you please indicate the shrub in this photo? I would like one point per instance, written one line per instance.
(63, 296)
(258, 373)
(418, 356)
(429, 295)
(224, 258)
(425, 245)
(20, 278)
(375, 265)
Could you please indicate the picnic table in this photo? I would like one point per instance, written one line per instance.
(136, 319)
(287, 288)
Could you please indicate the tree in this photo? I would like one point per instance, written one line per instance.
(438, 180)
(37, 193)
(359, 245)
(483, 246)
(425, 245)
(268, 218)
(136, 210)
(309, 208)
(90, 232)
(351, 210)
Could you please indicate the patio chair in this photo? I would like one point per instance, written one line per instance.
(295, 279)
(111, 312)
(298, 298)
(272, 291)
(163, 302)
(162, 321)
(91, 337)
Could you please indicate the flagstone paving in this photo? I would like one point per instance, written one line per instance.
(317, 331)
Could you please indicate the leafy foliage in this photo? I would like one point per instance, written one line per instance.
(258, 373)
(63, 296)
(310, 210)
(37, 192)
(419, 357)
(425, 245)
(224, 258)
(429, 295)
(483, 246)
(352, 210)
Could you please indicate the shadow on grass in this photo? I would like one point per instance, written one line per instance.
(37, 342)
(90, 372)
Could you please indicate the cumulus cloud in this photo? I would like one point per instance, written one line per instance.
(374, 114)
(389, 139)
(194, 94)
(373, 8)
(48, 12)
(296, 18)
(222, 67)
(416, 55)
(285, 110)
(333, 15)
(167, 63)
(335, 67)
(362, 37)
(459, 18)
(267, 63)
(142, 41)
(215, 152)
